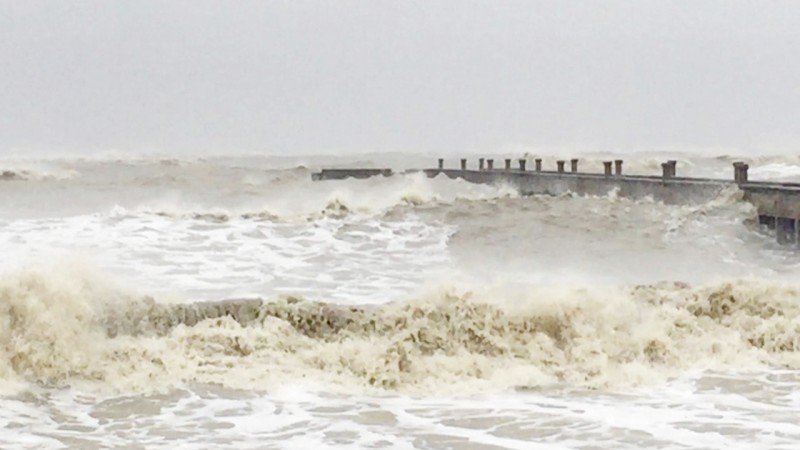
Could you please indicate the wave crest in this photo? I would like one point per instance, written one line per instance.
(67, 330)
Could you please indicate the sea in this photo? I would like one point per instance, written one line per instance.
(399, 312)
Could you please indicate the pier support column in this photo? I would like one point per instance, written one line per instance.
(538, 162)
(574, 165)
(508, 164)
(607, 168)
(489, 164)
(463, 164)
(522, 164)
(786, 229)
(560, 165)
(618, 167)
(480, 163)
(441, 163)
(769, 221)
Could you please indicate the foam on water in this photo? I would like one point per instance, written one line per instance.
(243, 257)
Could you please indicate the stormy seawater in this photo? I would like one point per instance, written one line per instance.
(400, 312)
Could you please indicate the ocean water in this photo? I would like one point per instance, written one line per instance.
(400, 312)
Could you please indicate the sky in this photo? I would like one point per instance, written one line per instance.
(283, 77)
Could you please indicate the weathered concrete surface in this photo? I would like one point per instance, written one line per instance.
(773, 200)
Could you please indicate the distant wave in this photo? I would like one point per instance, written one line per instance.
(65, 328)
(29, 174)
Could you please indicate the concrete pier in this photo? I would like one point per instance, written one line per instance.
(777, 204)
(573, 165)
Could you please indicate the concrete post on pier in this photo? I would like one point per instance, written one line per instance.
(666, 171)
(441, 163)
(508, 164)
(480, 163)
(574, 165)
(607, 168)
(740, 172)
(786, 229)
(489, 164)
(560, 165)
(522, 164)
(463, 163)
(538, 162)
(673, 168)
(618, 167)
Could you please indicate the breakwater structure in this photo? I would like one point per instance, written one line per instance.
(778, 204)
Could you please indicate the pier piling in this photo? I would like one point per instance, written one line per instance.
(441, 163)
(538, 162)
(574, 165)
(673, 165)
(560, 165)
(618, 167)
(508, 164)
(522, 164)
(785, 228)
(463, 164)
(769, 221)
(480, 163)
(489, 164)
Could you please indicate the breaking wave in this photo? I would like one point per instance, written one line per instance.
(69, 328)
(338, 198)
(30, 174)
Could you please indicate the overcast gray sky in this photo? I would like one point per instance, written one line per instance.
(450, 75)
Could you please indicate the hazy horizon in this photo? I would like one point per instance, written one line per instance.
(288, 77)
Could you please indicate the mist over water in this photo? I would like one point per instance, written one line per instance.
(403, 312)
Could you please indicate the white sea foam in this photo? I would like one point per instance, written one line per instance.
(72, 328)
